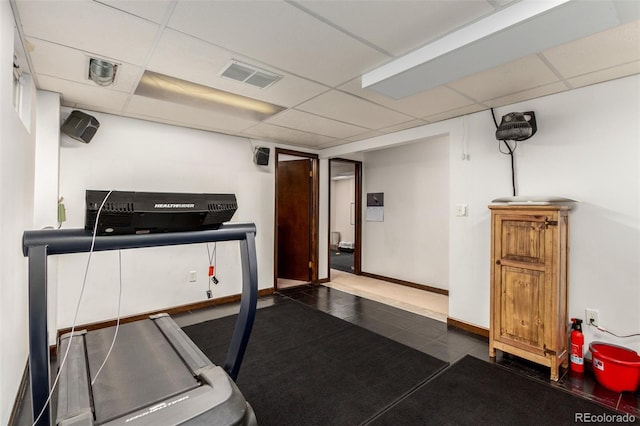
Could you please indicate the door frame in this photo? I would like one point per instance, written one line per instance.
(357, 253)
(313, 220)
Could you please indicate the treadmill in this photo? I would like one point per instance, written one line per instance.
(155, 373)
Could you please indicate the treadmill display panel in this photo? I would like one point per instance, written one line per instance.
(128, 212)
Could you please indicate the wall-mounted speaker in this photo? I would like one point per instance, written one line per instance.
(261, 156)
(80, 126)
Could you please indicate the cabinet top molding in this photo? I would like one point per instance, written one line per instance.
(535, 199)
(530, 207)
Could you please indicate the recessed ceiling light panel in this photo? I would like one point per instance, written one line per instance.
(514, 32)
(170, 89)
(249, 74)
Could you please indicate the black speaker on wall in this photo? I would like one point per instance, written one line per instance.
(261, 156)
(80, 126)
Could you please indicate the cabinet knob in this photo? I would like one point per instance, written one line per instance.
(498, 262)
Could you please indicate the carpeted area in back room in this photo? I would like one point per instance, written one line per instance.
(341, 260)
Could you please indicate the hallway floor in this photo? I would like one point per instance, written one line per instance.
(410, 299)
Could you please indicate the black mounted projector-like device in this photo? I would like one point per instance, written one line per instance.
(128, 212)
(517, 126)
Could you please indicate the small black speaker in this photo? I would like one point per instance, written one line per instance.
(261, 156)
(80, 126)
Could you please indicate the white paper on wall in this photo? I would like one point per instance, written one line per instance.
(375, 214)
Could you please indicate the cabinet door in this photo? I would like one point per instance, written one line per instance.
(522, 238)
(522, 306)
(523, 257)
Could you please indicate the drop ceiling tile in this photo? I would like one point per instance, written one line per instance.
(189, 58)
(514, 77)
(605, 75)
(332, 144)
(152, 10)
(200, 117)
(253, 138)
(403, 126)
(303, 46)
(278, 33)
(99, 98)
(414, 23)
(617, 46)
(282, 134)
(528, 94)
(66, 63)
(306, 122)
(365, 135)
(350, 109)
(455, 113)
(198, 126)
(89, 26)
(428, 102)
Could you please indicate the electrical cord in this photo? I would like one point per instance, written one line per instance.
(212, 265)
(115, 334)
(75, 317)
(211, 255)
(510, 153)
(253, 148)
(604, 330)
(513, 168)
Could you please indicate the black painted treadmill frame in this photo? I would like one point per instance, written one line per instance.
(37, 245)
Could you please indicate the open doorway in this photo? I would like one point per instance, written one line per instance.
(296, 217)
(345, 229)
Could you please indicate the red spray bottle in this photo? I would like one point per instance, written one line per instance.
(576, 341)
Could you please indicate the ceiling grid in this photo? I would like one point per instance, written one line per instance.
(322, 50)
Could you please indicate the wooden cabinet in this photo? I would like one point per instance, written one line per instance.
(529, 283)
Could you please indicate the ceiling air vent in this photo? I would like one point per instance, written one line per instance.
(249, 74)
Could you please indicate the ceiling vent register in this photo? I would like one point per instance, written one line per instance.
(249, 74)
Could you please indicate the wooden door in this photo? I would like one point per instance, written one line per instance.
(294, 208)
(522, 270)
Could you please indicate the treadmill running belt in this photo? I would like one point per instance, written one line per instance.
(142, 369)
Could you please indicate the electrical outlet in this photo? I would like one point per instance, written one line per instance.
(193, 276)
(591, 316)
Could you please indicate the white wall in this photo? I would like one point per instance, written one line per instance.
(342, 197)
(16, 214)
(323, 219)
(412, 242)
(45, 203)
(129, 154)
(587, 148)
(47, 158)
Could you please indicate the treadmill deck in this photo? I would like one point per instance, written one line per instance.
(153, 372)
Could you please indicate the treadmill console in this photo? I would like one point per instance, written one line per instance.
(128, 212)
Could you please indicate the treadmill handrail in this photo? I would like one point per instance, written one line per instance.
(65, 241)
(39, 244)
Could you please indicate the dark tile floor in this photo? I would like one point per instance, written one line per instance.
(447, 343)
(424, 334)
